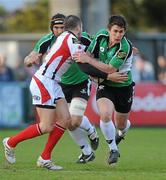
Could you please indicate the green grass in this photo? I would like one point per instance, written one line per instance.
(143, 157)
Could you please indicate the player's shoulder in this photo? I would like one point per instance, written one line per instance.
(102, 32)
(73, 38)
(86, 35)
(47, 36)
(68, 37)
(126, 44)
(86, 38)
(125, 49)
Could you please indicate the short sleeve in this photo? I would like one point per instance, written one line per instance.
(75, 45)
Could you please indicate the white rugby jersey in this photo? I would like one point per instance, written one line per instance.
(58, 59)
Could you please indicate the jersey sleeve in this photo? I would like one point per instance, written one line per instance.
(75, 45)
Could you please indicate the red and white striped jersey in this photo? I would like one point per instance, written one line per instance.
(58, 59)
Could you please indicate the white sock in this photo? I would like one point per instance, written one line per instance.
(80, 139)
(108, 130)
(86, 125)
(124, 131)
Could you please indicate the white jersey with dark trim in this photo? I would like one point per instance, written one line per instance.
(58, 59)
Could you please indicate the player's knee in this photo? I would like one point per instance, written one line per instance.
(120, 125)
(71, 127)
(74, 123)
(76, 120)
(65, 121)
(46, 127)
(106, 116)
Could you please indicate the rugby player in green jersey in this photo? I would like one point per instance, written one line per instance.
(45, 42)
(76, 87)
(114, 54)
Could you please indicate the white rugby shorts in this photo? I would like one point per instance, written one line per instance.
(45, 91)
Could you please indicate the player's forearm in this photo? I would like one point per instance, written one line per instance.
(101, 66)
(92, 71)
(27, 61)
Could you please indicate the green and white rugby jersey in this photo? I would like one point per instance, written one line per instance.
(119, 56)
(73, 75)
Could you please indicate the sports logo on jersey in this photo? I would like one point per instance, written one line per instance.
(102, 49)
(79, 47)
(130, 100)
(83, 91)
(101, 87)
(36, 98)
(75, 41)
(121, 55)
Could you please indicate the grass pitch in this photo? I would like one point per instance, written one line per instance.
(143, 157)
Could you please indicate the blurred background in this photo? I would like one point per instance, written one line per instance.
(25, 21)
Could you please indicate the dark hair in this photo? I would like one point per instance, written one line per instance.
(118, 20)
(71, 22)
(57, 19)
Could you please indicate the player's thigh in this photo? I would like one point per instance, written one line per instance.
(68, 91)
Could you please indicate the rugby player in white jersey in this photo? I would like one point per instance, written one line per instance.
(47, 94)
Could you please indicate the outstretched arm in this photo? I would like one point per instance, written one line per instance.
(85, 58)
(94, 72)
